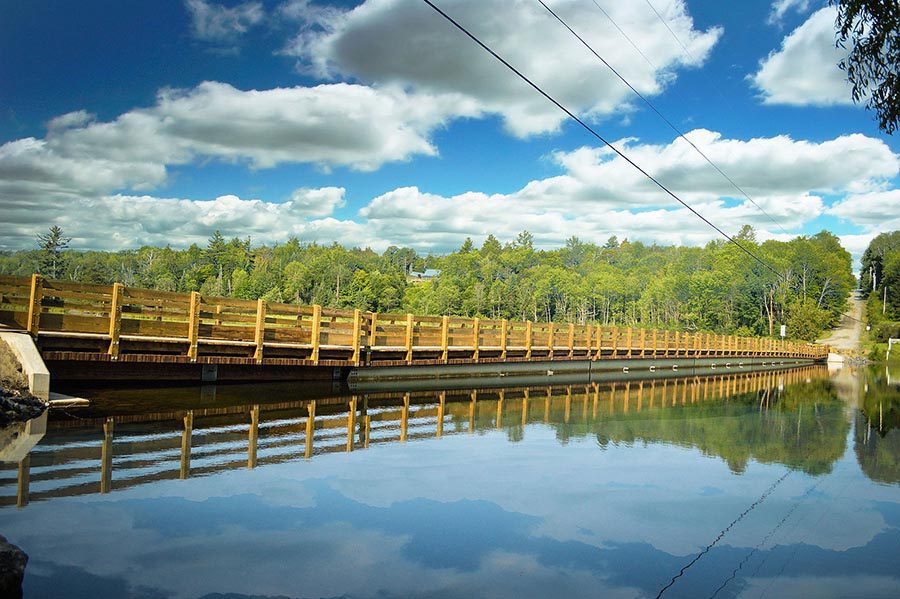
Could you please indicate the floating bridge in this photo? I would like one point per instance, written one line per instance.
(86, 331)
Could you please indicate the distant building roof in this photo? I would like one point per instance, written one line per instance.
(429, 273)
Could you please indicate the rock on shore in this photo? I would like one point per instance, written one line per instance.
(12, 569)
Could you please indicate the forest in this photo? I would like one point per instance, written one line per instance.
(880, 282)
(715, 288)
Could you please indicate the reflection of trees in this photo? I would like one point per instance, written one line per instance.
(877, 436)
(802, 427)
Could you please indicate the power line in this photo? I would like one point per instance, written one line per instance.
(590, 130)
(625, 35)
(652, 107)
(663, 21)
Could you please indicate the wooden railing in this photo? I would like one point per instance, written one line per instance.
(194, 325)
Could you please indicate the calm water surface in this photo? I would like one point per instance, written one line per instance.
(771, 485)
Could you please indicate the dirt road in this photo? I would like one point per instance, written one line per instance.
(847, 334)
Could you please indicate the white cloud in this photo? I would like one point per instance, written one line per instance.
(213, 22)
(374, 42)
(804, 71)
(597, 195)
(781, 7)
(131, 221)
(877, 211)
(329, 125)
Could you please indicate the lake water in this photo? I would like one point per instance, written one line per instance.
(781, 484)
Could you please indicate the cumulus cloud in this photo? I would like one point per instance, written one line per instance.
(374, 41)
(781, 7)
(217, 23)
(596, 195)
(329, 125)
(131, 221)
(804, 71)
(877, 211)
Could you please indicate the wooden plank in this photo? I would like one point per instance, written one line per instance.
(193, 325)
(34, 304)
(115, 320)
(260, 332)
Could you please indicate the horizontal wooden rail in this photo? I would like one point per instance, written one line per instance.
(121, 320)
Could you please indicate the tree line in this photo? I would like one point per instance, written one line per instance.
(714, 288)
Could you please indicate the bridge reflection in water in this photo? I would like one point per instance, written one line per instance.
(86, 456)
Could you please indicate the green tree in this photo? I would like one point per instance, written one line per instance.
(871, 29)
(52, 243)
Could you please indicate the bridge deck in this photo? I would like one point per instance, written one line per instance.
(115, 323)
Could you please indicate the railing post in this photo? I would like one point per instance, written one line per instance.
(476, 338)
(504, 338)
(629, 339)
(653, 340)
(643, 340)
(666, 343)
(571, 339)
(316, 332)
(677, 335)
(115, 320)
(550, 339)
(588, 341)
(34, 304)
(528, 332)
(354, 358)
(409, 338)
(373, 327)
(260, 334)
(599, 342)
(615, 341)
(445, 339)
(194, 325)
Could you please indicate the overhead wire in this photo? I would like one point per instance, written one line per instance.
(597, 135)
(677, 39)
(625, 35)
(668, 122)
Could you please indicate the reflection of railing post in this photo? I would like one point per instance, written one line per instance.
(351, 422)
(186, 445)
(500, 409)
(310, 428)
(106, 457)
(253, 436)
(404, 417)
(473, 396)
(524, 410)
(442, 398)
(24, 477)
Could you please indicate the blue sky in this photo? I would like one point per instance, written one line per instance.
(372, 124)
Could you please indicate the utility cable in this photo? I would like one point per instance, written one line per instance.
(658, 113)
(722, 534)
(590, 130)
(625, 35)
(663, 21)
